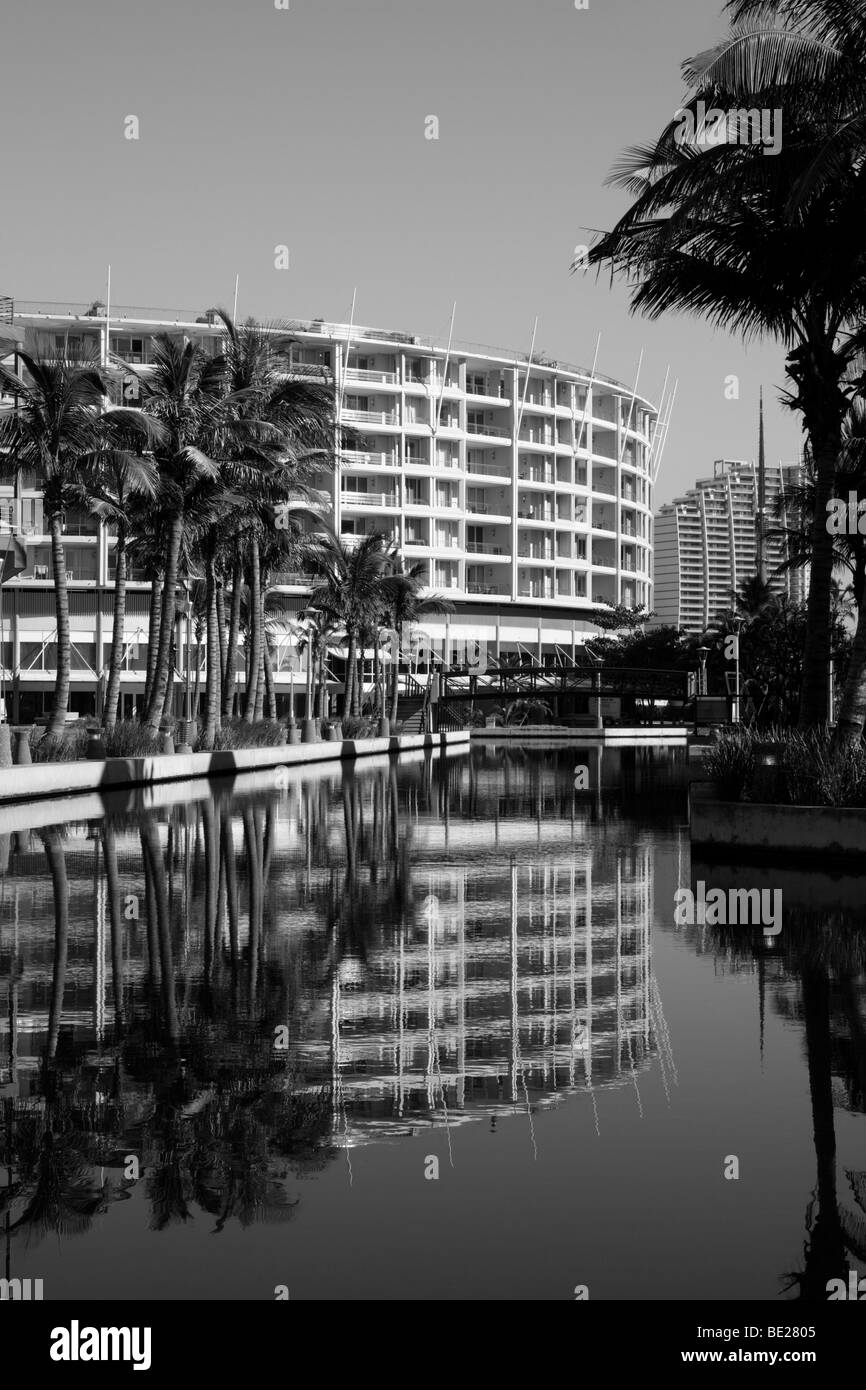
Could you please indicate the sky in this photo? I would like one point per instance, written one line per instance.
(306, 127)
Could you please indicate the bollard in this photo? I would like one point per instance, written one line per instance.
(384, 727)
(22, 748)
(311, 733)
(5, 746)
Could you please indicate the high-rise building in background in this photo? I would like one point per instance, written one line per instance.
(524, 490)
(706, 542)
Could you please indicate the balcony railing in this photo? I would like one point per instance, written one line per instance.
(535, 514)
(371, 417)
(483, 548)
(540, 556)
(494, 431)
(363, 374)
(358, 458)
(535, 591)
(490, 470)
(370, 499)
(473, 588)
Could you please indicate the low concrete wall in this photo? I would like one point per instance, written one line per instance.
(742, 829)
(663, 737)
(28, 783)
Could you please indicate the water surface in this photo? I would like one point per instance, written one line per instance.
(243, 1029)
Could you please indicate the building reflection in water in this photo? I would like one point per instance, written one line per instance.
(228, 991)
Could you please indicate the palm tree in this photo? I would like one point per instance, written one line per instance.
(56, 432)
(350, 592)
(406, 603)
(319, 633)
(720, 230)
(185, 391)
(116, 484)
(271, 465)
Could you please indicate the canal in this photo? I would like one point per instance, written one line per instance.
(418, 1028)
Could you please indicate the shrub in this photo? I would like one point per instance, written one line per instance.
(817, 774)
(68, 747)
(236, 733)
(129, 739)
(353, 727)
(731, 763)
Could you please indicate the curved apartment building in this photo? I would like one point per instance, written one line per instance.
(524, 489)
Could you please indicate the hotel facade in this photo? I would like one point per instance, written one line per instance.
(706, 542)
(525, 490)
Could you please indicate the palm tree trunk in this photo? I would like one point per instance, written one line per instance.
(152, 637)
(351, 645)
(214, 661)
(156, 703)
(229, 671)
(358, 683)
(852, 711)
(321, 681)
(57, 719)
(395, 674)
(255, 631)
(221, 630)
(378, 694)
(115, 663)
(816, 656)
(259, 710)
(309, 709)
(270, 690)
(167, 710)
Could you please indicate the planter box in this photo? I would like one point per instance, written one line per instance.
(741, 830)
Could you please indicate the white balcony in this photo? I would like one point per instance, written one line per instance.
(484, 548)
(356, 458)
(491, 431)
(369, 499)
(362, 374)
(370, 417)
(488, 470)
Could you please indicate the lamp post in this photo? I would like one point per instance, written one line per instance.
(703, 653)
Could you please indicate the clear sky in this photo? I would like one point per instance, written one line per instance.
(305, 127)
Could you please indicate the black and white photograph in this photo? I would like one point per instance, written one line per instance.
(432, 676)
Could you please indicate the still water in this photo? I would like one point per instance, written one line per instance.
(421, 1029)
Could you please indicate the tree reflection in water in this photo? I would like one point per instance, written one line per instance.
(819, 961)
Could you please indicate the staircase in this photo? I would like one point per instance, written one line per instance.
(413, 711)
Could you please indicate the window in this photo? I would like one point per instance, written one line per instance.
(476, 384)
(129, 348)
(68, 345)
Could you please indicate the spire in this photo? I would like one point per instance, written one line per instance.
(760, 565)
